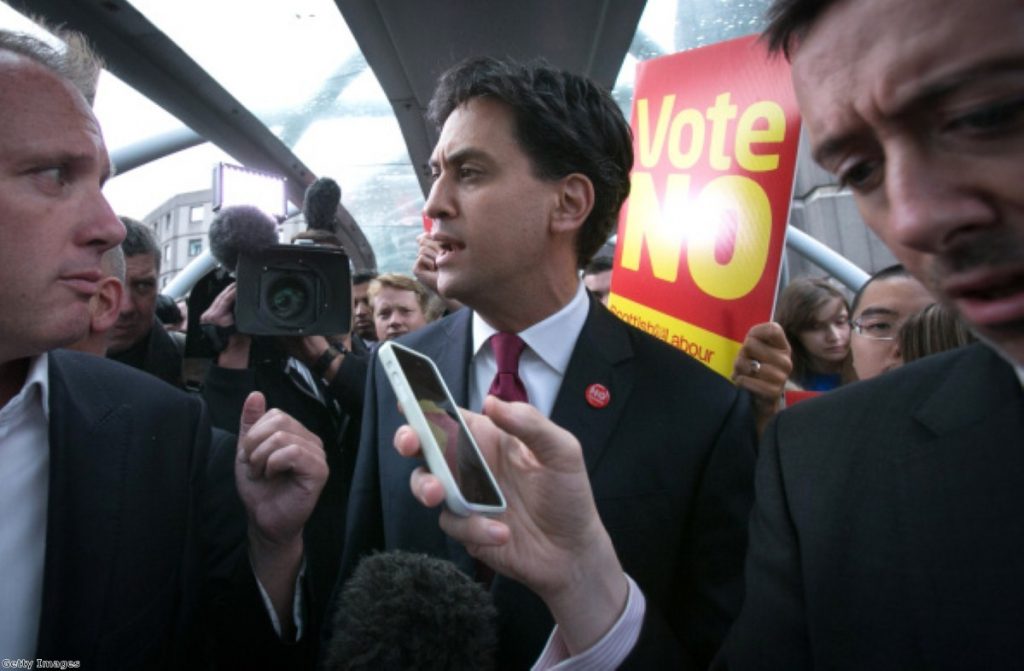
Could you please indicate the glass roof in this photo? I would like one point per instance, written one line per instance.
(298, 69)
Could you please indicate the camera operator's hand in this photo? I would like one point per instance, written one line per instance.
(317, 352)
(306, 349)
(222, 313)
(222, 310)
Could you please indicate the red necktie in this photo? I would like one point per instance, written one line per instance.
(507, 384)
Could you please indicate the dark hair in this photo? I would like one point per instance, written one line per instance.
(363, 276)
(564, 123)
(138, 240)
(409, 611)
(795, 312)
(895, 270)
(598, 264)
(932, 330)
(76, 63)
(789, 21)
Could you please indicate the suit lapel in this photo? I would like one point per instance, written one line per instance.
(452, 354)
(960, 483)
(601, 356)
(89, 434)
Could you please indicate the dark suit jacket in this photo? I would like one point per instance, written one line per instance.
(888, 531)
(144, 539)
(670, 461)
(156, 353)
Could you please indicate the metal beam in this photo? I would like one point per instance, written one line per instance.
(834, 263)
(409, 44)
(153, 148)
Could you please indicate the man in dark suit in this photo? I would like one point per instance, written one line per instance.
(138, 338)
(529, 173)
(887, 532)
(109, 557)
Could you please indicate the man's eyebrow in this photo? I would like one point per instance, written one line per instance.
(876, 311)
(832, 147)
(78, 160)
(461, 156)
(945, 85)
(925, 98)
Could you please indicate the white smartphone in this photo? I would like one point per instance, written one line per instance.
(451, 453)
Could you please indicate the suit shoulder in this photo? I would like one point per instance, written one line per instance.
(900, 389)
(894, 416)
(88, 373)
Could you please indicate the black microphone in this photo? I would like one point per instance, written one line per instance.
(240, 229)
(320, 206)
(401, 610)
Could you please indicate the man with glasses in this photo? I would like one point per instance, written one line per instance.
(879, 309)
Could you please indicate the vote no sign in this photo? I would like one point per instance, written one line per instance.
(700, 241)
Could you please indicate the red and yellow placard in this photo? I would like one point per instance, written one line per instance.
(715, 135)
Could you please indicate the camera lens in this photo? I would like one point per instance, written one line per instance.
(287, 297)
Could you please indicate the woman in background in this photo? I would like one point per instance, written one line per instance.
(816, 319)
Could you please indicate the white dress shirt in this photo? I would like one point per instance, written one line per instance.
(25, 478)
(549, 346)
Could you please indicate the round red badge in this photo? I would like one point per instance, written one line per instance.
(598, 395)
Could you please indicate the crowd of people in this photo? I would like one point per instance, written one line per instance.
(658, 516)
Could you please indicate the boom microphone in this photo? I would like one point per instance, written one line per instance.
(240, 229)
(320, 206)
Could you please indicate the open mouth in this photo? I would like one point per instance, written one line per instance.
(448, 248)
(991, 294)
(988, 299)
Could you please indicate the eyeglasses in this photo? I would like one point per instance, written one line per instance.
(876, 328)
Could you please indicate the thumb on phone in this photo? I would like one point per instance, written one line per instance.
(551, 445)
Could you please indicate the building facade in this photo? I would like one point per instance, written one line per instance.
(182, 226)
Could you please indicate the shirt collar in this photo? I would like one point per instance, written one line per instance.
(39, 374)
(552, 338)
(37, 378)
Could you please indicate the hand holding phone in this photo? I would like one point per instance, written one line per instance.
(451, 453)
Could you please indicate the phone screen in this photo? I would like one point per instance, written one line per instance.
(460, 453)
